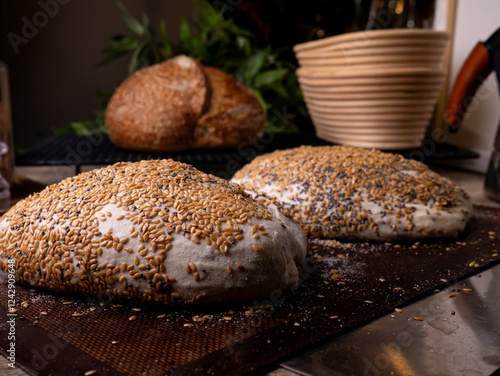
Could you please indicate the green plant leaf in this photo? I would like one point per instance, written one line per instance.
(135, 62)
(252, 65)
(166, 45)
(209, 19)
(80, 128)
(269, 77)
(122, 44)
(244, 45)
(234, 29)
(207, 13)
(117, 49)
(146, 25)
(289, 128)
(185, 32)
(280, 90)
(132, 23)
(261, 100)
(214, 37)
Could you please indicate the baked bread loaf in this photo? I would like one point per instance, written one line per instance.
(180, 104)
(152, 231)
(357, 194)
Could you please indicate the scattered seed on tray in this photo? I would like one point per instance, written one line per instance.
(417, 318)
(132, 318)
(398, 310)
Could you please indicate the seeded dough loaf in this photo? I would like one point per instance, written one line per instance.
(348, 193)
(180, 104)
(152, 231)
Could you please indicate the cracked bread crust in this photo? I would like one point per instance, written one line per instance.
(234, 114)
(180, 104)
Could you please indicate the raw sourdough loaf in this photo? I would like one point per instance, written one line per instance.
(180, 104)
(152, 231)
(357, 194)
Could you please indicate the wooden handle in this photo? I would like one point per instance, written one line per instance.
(473, 73)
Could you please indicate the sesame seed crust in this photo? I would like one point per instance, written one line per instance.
(152, 231)
(349, 193)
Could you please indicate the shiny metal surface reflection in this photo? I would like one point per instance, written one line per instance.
(459, 335)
